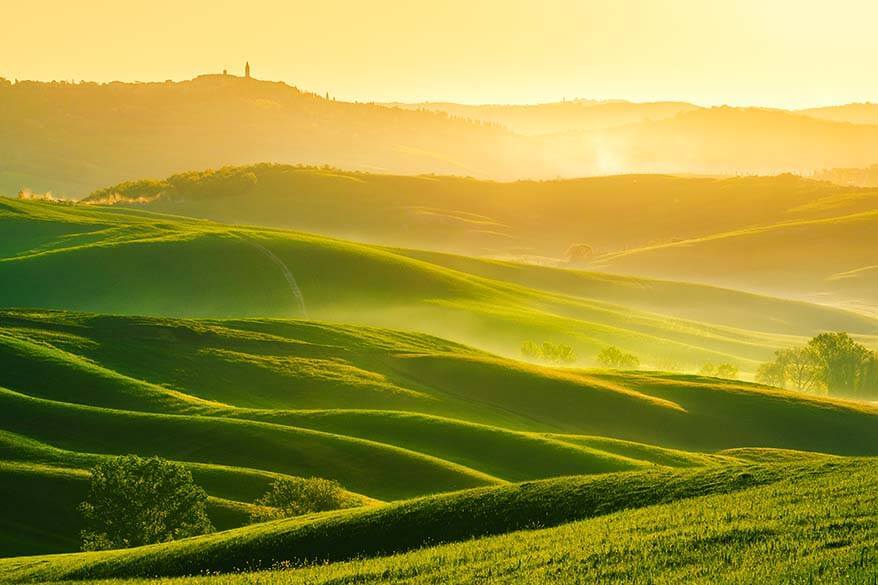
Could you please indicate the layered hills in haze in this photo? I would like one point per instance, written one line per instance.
(782, 235)
(72, 138)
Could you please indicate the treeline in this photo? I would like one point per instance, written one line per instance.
(830, 363)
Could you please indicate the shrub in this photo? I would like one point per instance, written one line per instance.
(297, 496)
(134, 501)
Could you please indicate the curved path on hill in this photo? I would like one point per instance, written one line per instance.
(288, 275)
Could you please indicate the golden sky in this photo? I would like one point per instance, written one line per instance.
(760, 52)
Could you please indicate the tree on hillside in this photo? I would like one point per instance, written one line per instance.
(614, 358)
(832, 362)
(297, 496)
(530, 350)
(727, 371)
(723, 370)
(841, 361)
(558, 353)
(134, 501)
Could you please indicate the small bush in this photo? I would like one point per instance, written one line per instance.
(297, 496)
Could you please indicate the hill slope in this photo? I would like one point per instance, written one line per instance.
(467, 216)
(388, 414)
(841, 266)
(561, 223)
(559, 117)
(720, 526)
(73, 138)
(131, 262)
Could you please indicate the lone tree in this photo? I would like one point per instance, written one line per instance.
(135, 501)
(297, 496)
(831, 362)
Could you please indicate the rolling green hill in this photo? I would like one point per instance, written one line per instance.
(785, 235)
(840, 260)
(539, 219)
(389, 414)
(113, 260)
(704, 521)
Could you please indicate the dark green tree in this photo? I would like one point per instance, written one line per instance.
(296, 496)
(134, 501)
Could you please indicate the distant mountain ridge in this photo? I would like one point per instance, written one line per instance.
(74, 138)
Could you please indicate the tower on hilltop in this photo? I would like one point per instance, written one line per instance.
(247, 70)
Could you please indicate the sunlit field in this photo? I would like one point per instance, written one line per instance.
(380, 293)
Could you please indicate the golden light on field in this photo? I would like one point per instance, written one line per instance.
(780, 53)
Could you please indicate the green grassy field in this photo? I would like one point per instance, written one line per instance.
(841, 261)
(389, 414)
(250, 354)
(130, 262)
(539, 219)
(781, 235)
(717, 525)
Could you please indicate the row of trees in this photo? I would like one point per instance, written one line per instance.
(833, 363)
(548, 352)
(616, 359)
(724, 370)
(134, 501)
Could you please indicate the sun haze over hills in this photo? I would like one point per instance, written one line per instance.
(571, 291)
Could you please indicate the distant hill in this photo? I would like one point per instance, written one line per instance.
(600, 223)
(867, 177)
(468, 216)
(865, 113)
(726, 140)
(74, 138)
(825, 260)
(559, 117)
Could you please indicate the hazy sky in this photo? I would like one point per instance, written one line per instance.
(787, 53)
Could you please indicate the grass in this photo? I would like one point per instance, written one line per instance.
(389, 414)
(816, 526)
(394, 528)
(113, 260)
(823, 259)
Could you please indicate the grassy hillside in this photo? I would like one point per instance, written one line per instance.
(114, 260)
(523, 218)
(841, 263)
(815, 230)
(339, 536)
(814, 527)
(388, 414)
